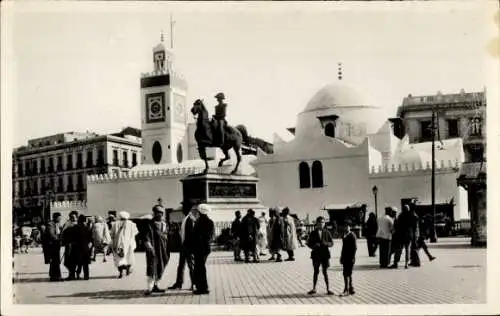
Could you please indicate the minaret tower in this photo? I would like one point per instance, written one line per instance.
(163, 110)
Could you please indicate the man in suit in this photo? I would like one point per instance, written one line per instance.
(203, 232)
(186, 251)
(53, 247)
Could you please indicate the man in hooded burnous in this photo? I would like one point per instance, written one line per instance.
(157, 255)
(220, 118)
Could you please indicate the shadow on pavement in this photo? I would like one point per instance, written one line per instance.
(46, 279)
(360, 267)
(120, 294)
(449, 246)
(284, 296)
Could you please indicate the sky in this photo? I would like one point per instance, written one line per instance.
(77, 67)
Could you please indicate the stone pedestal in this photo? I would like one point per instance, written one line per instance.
(225, 193)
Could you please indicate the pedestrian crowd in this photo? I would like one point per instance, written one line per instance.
(84, 238)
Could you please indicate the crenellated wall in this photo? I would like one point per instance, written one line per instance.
(136, 192)
(441, 166)
(65, 207)
(414, 181)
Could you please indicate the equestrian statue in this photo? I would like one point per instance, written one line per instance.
(216, 132)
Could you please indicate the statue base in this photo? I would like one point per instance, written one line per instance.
(224, 193)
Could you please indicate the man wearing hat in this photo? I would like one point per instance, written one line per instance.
(157, 256)
(220, 117)
(186, 251)
(203, 232)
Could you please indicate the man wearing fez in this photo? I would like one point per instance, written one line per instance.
(203, 233)
(155, 241)
(220, 117)
(186, 251)
(53, 247)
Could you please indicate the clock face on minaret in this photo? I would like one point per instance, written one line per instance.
(155, 107)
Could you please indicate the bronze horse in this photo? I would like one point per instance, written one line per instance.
(204, 136)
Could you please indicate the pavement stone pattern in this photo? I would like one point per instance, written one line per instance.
(458, 275)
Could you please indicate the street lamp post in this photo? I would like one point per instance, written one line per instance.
(433, 236)
(375, 192)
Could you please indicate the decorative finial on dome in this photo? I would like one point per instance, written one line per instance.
(340, 71)
(161, 36)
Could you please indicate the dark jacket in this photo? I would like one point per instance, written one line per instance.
(277, 233)
(220, 111)
(320, 244)
(80, 236)
(349, 247)
(203, 233)
(236, 229)
(371, 227)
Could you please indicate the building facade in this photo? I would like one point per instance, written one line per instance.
(55, 168)
(342, 147)
(460, 115)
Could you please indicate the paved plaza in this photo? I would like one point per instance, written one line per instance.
(457, 276)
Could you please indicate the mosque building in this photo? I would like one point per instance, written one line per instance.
(341, 148)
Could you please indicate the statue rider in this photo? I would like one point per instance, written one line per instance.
(220, 117)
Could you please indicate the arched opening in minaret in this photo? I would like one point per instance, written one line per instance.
(157, 152)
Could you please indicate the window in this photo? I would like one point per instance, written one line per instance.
(115, 157)
(475, 126)
(20, 169)
(425, 131)
(304, 175)
(317, 174)
(27, 168)
(42, 165)
(79, 184)
(90, 159)
(61, 185)
(35, 187)
(453, 128)
(21, 188)
(69, 188)
(59, 163)
(51, 164)
(69, 164)
(100, 157)
(134, 159)
(35, 167)
(330, 130)
(79, 161)
(125, 159)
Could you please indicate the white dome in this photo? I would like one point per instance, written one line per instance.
(341, 100)
(336, 95)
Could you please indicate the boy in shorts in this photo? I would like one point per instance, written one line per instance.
(319, 241)
(347, 257)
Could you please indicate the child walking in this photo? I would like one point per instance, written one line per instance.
(347, 257)
(319, 241)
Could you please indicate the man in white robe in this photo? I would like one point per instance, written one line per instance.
(123, 234)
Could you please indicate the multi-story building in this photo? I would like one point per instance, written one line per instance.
(55, 167)
(460, 115)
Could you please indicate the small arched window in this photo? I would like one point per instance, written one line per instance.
(304, 175)
(317, 174)
(330, 130)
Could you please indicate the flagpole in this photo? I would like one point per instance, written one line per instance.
(172, 22)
